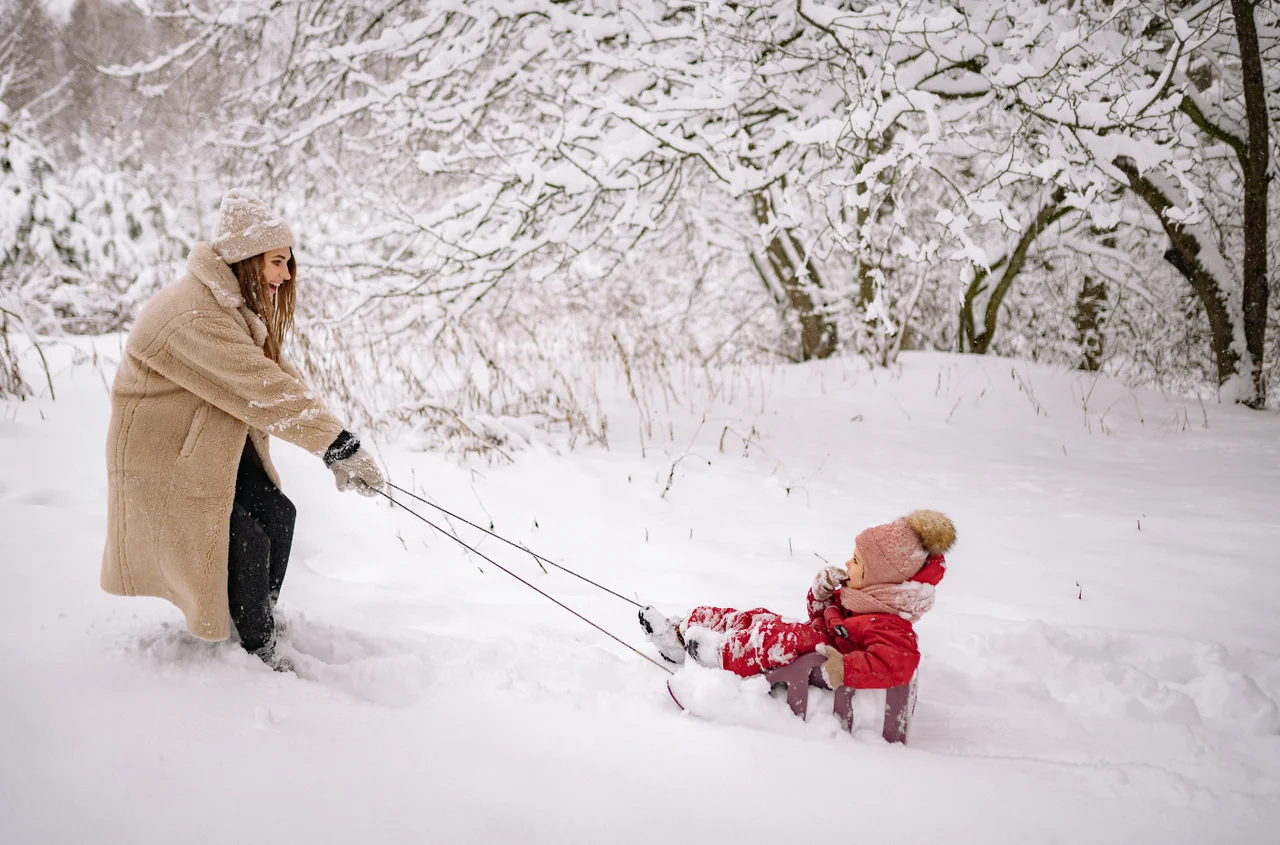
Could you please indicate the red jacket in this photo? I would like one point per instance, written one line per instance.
(879, 648)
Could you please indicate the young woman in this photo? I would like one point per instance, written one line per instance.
(194, 509)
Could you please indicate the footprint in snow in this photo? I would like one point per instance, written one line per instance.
(41, 498)
(381, 670)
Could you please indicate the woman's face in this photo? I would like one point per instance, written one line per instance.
(275, 268)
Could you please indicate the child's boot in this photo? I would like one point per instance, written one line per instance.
(704, 646)
(664, 633)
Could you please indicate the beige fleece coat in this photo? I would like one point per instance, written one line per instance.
(192, 384)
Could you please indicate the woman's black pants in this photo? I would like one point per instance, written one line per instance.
(261, 535)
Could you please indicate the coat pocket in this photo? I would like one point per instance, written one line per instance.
(193, 434)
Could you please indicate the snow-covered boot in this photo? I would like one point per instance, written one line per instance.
(664, 633)
(704, 646)
(271, 656)
(277, 662)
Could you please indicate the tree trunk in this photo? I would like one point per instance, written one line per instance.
(866, 279)
(817, 332)
(1011, 265)
(1183, 254)
(10, 375)
(1089, 307)
(1255, 293)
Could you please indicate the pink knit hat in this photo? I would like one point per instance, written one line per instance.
(894, 552)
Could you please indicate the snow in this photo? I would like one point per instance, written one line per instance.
(1100, 665)
(728, 699)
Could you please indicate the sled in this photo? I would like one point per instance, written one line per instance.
(806, 670)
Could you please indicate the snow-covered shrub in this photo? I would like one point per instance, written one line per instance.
(81, 247)
(23, 168)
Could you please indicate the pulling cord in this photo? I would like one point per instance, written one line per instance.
(513, 545)
(521, 580)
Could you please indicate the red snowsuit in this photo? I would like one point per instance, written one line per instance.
(879, 649)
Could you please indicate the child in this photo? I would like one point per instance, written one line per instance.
(860, 615)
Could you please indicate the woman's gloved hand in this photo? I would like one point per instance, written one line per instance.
(828, 581)
(359, 472)
(353, 467)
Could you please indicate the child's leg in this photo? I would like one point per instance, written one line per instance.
(767, 643)
(667, 633)
(706, 629)
(723, 619)
(747, 642)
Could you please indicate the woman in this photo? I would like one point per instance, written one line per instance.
(194, 509)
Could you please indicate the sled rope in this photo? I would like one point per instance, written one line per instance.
(536, 556)
(545, 594)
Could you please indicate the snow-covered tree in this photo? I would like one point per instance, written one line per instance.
(1170, 103)
(710, 180)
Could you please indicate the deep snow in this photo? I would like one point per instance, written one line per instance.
(1101, 666)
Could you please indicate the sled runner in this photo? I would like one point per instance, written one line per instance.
(806, 670)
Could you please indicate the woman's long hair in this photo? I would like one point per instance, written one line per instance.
(277, 313)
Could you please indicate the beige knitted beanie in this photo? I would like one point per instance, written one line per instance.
(246, 227)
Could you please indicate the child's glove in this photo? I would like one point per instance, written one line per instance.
(833, 669)
(828, 581)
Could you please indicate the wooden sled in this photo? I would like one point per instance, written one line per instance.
(799, 674)
(806, 670)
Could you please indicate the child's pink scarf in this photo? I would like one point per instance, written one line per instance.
(910, 599)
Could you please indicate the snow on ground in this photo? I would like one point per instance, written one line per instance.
(1102, 664)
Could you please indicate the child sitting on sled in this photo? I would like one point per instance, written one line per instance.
(860, 615)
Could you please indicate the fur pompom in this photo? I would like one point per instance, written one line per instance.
(936, 531)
